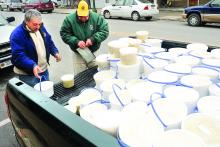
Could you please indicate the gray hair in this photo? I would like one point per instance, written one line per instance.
(32, 13)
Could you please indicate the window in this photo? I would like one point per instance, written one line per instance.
(119, 3)
(216, 3)
(129, 2)
(144, 1)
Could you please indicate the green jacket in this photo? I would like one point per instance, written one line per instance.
(73, 31)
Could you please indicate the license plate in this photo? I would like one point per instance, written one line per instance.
(5, 64)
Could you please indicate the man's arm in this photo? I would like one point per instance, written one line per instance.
(67, 34)
(19, 57)
(102, 31)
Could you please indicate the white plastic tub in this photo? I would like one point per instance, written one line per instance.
(45, 87)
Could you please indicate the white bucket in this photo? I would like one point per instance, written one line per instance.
(108, 121)
(128, 55)
(106, 86)
(188, 96)
(200, 54)
(114, 47)
(46, 88)
(162, 77)
(142, 35)
(149, 49)
(102, 61)
(68, 80)
(71, 108)
(128, 72)
(143, 90)
(92, 112)
(119, 98)
(165, 56)
(86, 96)
(203, 126)
(132, 42)
(214, 89)
(178, 51)
(210, 105)
(113, 64)
(215, 63)
(136, 107)
(198, 82)
(206, 71)
(178, 69)
(168, 112)
(151, 65)
(197, 46)
(138, 130)
(178, 138)
(154, 42)
(215, 53)
(188, 60)
(103, 75)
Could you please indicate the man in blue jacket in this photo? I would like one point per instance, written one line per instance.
(31, 48)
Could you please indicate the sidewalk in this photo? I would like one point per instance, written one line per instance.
(173, 14)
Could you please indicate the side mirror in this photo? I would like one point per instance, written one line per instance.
(10, 19)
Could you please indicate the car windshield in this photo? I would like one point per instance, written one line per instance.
(145, 1)
(2, 21)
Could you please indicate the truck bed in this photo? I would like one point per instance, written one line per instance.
(41, 121)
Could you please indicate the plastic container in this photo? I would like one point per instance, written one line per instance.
(68, 80)
(45, 87)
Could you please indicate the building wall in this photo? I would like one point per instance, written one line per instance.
(180, 3)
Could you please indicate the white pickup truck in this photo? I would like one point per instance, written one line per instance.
(5, 49)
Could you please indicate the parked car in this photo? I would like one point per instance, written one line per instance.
(5, 49)
(56, 3)
(134, 9)
(200, 15)
(10, 5)
(40, 5)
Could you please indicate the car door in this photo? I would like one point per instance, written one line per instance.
(116, 8)
(127, 8)
(212, 12)
(31, 4)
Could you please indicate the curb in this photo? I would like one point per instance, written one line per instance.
(171, 18)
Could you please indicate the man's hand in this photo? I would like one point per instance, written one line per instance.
(58, 57)
(88, 42)
(37, 70)
(82, 44)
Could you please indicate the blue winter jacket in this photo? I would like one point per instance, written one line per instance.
(24, 54)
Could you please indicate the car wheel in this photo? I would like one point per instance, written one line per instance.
(107, 14)
(50, 11)
(135, 16)
(194, 20)
(1, 8)
(148, 18)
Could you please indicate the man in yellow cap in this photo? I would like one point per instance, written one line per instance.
(83, 30)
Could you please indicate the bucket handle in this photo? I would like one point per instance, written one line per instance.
(205, 66)
(121, 143)
(148, 63)
(114, 86)
(41, 77)
(153, 108)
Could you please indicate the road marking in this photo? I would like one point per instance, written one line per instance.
(4, 122)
